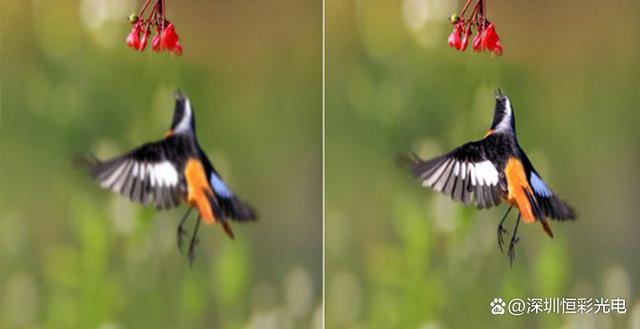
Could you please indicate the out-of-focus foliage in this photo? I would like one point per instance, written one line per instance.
(76, 256)
(400, 256)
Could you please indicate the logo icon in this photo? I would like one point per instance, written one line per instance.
(497, 306)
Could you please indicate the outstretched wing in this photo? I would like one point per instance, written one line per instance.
(548, 202)
(465, 174)
(150, 174)
(231, 205)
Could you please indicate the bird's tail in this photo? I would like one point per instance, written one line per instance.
(217, 213)
(237, 210)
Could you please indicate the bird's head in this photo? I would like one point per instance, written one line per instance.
(183, 118)
(503, 119)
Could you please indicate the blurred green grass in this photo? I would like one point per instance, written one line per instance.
(400, 256)
(76, 256)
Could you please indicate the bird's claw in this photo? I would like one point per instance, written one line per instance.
(501, 231)
(181, 232)
(192, 248)
(512, 250)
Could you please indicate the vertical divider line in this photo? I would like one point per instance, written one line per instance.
(324, 238)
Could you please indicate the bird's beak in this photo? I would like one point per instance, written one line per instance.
(499, 94)
(178, 94)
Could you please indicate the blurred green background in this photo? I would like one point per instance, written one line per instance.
(400, 256)
(76, 256)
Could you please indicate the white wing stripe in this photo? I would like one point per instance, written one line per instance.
(166, 174)
(143, 171)
(484, 173)
(120, 181)
(136, 167)
(152, 176)
(157, 170)
(116, 173)
(434, 177)
(489, 173)
(480, 173)
(159, 174)
(494, 175)
(472, 173)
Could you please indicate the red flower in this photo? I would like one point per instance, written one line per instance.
(133, 39)
(165, 38)
(497, 49)
(491, 40)
(170, 39)
(156, 45)
(486, 38)
(477, 42)
(454, 37)
(143, 41)
(465, 40)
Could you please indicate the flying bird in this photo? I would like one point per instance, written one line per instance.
(171, 171)
(491, 170)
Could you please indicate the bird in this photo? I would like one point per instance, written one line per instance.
(494, 169)
(172, 171)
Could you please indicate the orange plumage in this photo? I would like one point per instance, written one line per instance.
(517, 184)
(198, 186)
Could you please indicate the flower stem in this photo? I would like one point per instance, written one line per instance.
(472, 18)
(464, 9)
(146, 4)
(162, 12)
(152, 14)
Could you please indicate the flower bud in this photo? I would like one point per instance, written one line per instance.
(156, 43)
(465, 40)
(145, 38)
(133, 39)
(133, 18)
(477, 42)
(169, 37)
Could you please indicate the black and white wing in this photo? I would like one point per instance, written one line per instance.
(150, 174)
(550, 204)
(465, 174)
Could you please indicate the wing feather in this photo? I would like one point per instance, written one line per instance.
(149, 174)
(550, 204)
(465, 174)
(230, 205)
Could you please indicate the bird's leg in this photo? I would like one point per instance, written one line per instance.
(194, 241)
(514, 240)
(501, 230)
(181, 230)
